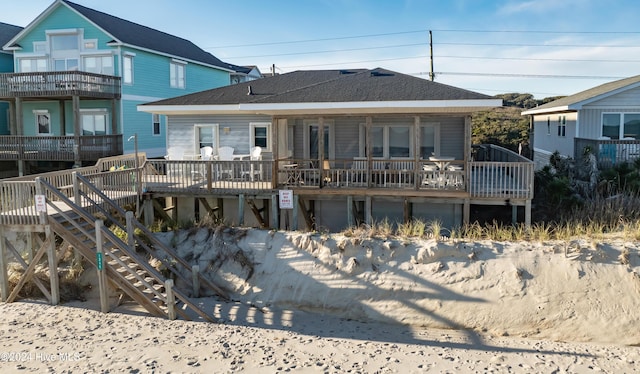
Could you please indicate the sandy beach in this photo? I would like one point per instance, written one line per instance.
(318, 304)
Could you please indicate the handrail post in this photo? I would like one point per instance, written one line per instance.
(102, 274)
(130, 230)
(195, 270)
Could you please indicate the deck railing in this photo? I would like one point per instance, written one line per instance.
(59, 83)
(118, 177)
(59, 148)
(608, 152)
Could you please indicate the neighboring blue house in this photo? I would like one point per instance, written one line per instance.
(7, 32)
(80, 74)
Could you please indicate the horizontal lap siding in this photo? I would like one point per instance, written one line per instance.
(451, 135)
(181, 133)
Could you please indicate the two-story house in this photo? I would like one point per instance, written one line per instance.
(78, 76)
(7, 32)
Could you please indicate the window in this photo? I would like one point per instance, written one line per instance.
(562, 126)
(206, 136)
(127, 69)
(90, 44)
(31, 65)
(176, 74)
(311, 132)
(429, 140)
(64, 42)
(260, 135)
(389, 141)
(40, 47)
(94, 122)
(98, 64)
(43, 122)
(611, 125)
(65, 64)
(631, 125)
(155, 120)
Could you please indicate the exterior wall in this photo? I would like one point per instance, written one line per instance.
(6, 66)
(181, 131)
(545, 133)
(591, 114)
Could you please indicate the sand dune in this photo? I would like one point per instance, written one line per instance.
(332, 304)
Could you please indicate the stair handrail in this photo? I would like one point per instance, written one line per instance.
(171, 266)
(117, 242)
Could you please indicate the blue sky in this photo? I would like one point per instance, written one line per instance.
(542, 47)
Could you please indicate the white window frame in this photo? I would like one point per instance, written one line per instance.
(385, 139)
(99, 59)
(42, 113)
(40, 47)
(156, 119)
(562, 126)
(34, 60)
(90, 44)
(436, 136)
(128, 71)
(252, 134)
(95, 112)
(621, 117)
(196, 135)
(328, 126)
(176, 80)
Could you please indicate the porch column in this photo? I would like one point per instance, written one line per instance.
(367, 148)
(417, 165)
(527, 213)
(13, 127)
(114, 117)
(350, 219)
(467, 152)
(77, 130)
(368, 214)
(19, 130)
(62, 128)
(466, 212)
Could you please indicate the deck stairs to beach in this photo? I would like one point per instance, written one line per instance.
(126, 260)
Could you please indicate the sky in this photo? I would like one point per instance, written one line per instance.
(542, 47)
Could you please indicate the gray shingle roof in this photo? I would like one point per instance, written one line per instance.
(313, 86)
(7, 32)
(587, 94)
(146, 37)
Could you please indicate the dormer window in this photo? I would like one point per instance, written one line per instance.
(177, 74)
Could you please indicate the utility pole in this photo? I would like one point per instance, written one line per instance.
(432, 76)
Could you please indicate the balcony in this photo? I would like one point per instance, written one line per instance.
(59, 84)
(59, 148)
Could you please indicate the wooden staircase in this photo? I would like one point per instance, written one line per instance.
(125, 268)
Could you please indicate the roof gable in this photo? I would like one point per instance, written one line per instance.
(132, 34)
(576, 101)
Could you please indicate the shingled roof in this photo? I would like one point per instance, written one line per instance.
(320, 86)
(142, 36)
(7, 32)
(575, 101)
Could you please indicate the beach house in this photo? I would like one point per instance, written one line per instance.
(76, 78)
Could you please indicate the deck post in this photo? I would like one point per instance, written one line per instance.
(527, 213)
(350, 219)
(4, 278)
(275, 212)
(53, 267)
(514, 214)
(130, 230)
(195, 269)
(294, 224)
(147, 208)
(77, 129)
(368, 217)
(171, 300)
(466, 212)
(407, 210)
(241, 209)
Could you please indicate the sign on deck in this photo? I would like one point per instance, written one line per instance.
(286, 199)
(41, 203)
(99, 260)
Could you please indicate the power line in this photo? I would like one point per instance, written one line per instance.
(331, 51)
(516, 75)
(355, 62)
(540, 45)
(534, 59)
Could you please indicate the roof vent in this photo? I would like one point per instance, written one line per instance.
(249, 90)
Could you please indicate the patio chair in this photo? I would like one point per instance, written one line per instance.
(174, 169)
(225, 168)
(255, 169)
(206, 153)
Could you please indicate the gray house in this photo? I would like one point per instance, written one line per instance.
(354, 146)
(604, 120)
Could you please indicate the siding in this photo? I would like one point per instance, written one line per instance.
(549, 140)
(181, 133)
